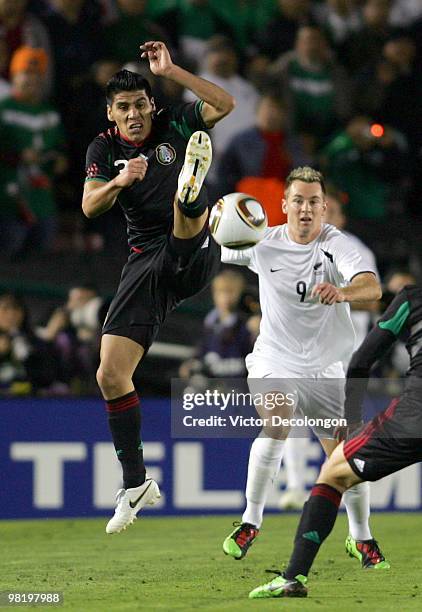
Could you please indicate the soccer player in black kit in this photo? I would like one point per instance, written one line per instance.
(388, 443)
(152, 163)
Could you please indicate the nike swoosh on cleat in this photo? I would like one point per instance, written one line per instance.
(132, 504)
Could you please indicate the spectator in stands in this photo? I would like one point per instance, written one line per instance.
(317, 87)
(77, 42)
(13, 376)
(388, 89)
(75, 31)
(26, 363)
(129, 28)
(362, 314)
(367, 163)
(366, 45)
(15, 347)
(222, 69)
(191, 24)
(280, 33)
(93, 120)
(21, 28)
(226, 339)
(74, 331)
(5, 86)
(258, 158)
(405, 12)
(31, 155)
(339, 19)
(246, 20)
(396, 279)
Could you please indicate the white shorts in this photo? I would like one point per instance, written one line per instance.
(318, 395)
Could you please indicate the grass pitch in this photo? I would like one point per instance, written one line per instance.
(178, 564)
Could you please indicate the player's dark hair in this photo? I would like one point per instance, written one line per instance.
(306, 174)
(125, 80)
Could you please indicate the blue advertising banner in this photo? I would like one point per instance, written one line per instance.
(57, 460)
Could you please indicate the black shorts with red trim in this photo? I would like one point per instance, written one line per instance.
(392, 440)
(154, 282)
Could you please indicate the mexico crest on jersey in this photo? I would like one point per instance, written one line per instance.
(165, 153)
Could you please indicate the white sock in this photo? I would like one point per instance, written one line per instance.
(356, 501)
(264, 463)
(295, 463)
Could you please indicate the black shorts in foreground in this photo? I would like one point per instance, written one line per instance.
(392, 440)
(154, 282)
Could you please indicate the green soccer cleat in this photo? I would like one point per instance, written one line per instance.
(367, 552)
(240, 540)
(281, 587)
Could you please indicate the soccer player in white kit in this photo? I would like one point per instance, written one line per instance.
(362, 318)
(308, 274)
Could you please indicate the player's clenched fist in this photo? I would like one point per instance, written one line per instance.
(135, 171)
(328, 293)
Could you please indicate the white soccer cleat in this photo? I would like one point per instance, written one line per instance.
(130, 502)
(293, 499)
(198, 159)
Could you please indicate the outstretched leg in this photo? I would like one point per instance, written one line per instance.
(320, 512)
(191, 204)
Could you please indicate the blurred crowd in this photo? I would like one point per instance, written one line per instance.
(59, 357)
(331, 83)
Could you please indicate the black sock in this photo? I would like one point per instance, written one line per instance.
(318, 517)
(124, 419)
(194, 209)
(183, 248)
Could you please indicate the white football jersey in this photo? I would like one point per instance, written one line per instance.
(299, 332)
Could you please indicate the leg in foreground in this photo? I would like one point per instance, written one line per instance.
(316, 523)
(119, 358)
(359, 543)
(190, 210)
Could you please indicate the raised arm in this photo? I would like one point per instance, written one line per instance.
(217, 102)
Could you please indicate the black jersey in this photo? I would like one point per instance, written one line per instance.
(147, 204)
(403, 320)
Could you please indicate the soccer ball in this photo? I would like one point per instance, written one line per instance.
(238, 221)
